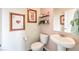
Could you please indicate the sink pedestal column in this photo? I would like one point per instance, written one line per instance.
(60, 48)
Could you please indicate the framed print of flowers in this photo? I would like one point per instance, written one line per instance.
(32, 16)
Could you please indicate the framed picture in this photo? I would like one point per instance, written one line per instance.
(17, 22)
(31, 16)
(62, 19)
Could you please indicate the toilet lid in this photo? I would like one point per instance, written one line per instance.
(37, 45)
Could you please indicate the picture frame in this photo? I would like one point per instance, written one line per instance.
(62, 19)
(31, 16)
(17, 21)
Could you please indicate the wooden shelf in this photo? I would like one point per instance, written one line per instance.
(44, 16)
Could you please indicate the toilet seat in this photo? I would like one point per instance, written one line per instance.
(37, 46)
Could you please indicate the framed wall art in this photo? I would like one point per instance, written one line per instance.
(17, 22)
(62, 19)
(31, 16)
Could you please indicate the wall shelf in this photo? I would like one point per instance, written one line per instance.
(44, 16)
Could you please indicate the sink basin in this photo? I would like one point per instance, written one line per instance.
(64, 42)
(68, 42)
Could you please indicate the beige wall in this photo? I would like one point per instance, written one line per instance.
(32, 30)
(48, 28)
(15, 40)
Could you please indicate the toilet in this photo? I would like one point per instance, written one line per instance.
(38, 46)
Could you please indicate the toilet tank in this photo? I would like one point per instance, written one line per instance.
(44, 38)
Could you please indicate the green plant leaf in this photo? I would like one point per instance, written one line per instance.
(76, 21)
(72, 22)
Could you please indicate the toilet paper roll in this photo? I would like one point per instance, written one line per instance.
(24, 38)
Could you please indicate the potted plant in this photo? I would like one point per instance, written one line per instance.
(75, 21)
(75, 25)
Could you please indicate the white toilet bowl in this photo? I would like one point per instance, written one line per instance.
(38, 46)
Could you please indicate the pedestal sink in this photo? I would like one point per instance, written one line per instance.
(62, 42)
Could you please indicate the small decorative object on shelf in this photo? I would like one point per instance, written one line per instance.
(44, 19)
(44, 22)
